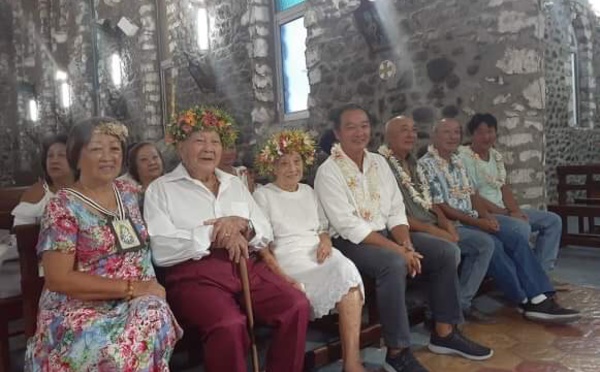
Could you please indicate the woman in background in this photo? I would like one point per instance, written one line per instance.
(227, 165)
(145, 163)
(56, 173)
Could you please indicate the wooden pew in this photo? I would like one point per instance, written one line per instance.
(579, 196)
(11, 308)
(32, 284)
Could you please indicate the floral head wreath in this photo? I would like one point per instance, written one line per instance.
(202, 118)
(113, 128)
(285, 142)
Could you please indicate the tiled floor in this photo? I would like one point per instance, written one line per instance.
(520, 346)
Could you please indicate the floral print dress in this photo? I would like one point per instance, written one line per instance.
(107, 335)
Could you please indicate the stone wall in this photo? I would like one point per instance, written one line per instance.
(567, 141)
(453, 58)
(137, 101)
(59, 35)
(232, 74)
(8, 94)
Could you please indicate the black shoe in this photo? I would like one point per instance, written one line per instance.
(473, 315)
(549, 311)
(405, 361)
(456, 343)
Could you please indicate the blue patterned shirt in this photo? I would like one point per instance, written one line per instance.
(453, 188)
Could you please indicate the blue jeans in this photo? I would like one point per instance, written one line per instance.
(477, 249)
(515, 269)
(548, 225)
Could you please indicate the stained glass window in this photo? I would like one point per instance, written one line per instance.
(286, 4)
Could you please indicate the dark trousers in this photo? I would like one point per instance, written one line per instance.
(207, 295)
(389, 271)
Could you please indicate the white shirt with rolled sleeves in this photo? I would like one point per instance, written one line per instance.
(339, 205)
(176, 207)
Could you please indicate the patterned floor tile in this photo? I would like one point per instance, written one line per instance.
(537, 366)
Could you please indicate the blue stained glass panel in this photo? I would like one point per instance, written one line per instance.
(286, 4)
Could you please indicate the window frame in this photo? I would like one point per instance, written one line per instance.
(281, 18)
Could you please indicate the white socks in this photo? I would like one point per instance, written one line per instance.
(538, 299)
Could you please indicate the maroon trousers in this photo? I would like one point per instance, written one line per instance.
(207, 295)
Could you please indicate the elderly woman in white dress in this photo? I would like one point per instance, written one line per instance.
(301, 251)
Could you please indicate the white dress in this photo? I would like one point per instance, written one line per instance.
(30, 213)
(24, 214)
(297, 221)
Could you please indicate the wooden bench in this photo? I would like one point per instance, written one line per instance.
(11, 308)
(32, 284)
(579, 196)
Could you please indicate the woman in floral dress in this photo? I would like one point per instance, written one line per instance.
(102, 308)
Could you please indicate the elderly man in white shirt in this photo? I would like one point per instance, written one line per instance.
(364, 205)
(201, 222)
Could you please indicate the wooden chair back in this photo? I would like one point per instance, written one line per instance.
(9, 198)
(590, 186)
(31, 280)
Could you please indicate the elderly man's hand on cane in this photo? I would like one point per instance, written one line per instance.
(237, 247)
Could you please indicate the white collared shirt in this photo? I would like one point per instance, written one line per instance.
(176, 206)
(339, 206)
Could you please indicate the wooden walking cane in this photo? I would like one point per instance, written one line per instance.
(249, 311)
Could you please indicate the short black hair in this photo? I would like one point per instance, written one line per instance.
(479, 119)
(46, 144)
(132, 157)
(326, 141)
(80, 136)
(336, 115)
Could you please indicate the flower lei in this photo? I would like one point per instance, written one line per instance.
(285, 142)
(367, 201)
(422, 198)
(496, 182)
(456, 190)
(202, 118)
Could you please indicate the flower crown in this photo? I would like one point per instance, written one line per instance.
(113, 128)
(202, 118)
(285, 142)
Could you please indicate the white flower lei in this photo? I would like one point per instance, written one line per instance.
(423, 198)
(496, 182)
(367, 201)
(457, 191)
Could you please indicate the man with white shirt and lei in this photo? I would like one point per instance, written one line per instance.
(201, 222)
(369, 225)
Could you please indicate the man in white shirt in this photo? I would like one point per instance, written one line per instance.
(366, 212)
(201, 222)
